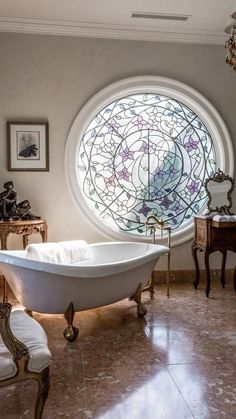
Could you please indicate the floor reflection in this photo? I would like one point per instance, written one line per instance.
(177, 363)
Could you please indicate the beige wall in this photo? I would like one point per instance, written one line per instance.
(51, 78)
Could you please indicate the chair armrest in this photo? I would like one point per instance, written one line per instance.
(14, 345)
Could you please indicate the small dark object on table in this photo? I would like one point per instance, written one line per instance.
(10, 210)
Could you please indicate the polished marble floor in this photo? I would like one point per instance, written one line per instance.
(177, 363)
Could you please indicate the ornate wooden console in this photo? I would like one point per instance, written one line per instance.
(211, 236)
(24, 228)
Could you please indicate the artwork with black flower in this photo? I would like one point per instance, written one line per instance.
(28, 145)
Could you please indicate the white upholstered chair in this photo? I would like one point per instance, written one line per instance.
(24, 353)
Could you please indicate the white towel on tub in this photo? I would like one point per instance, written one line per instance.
(46, 252)
(75, 250)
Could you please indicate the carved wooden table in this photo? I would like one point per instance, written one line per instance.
(24, 228)
(211, 236)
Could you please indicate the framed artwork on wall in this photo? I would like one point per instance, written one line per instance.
(28, 146)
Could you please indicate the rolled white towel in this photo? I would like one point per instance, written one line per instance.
(75, 250)
(224, 218)
(46, 252)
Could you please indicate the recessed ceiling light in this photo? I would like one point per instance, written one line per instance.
(160, 16)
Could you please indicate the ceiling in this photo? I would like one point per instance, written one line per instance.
(112, 19)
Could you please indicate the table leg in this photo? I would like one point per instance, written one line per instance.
(4, 240)
(208, 274)
(222, 274)
(4, 283)
(44, 234)
(25, 240)
(197, 275)
(5, 291)
(235, 279)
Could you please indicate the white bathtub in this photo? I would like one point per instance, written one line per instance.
(114, 272)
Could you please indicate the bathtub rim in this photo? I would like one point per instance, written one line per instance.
(85, 271)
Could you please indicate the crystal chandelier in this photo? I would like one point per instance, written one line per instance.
(230, 44)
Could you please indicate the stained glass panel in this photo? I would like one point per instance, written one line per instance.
(145, 154)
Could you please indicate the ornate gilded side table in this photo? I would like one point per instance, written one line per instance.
(211, 236)
(25, 229)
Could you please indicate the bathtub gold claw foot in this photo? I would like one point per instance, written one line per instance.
(141, 309)
(150, 286)
(71, 332)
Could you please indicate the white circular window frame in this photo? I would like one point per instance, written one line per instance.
(145, 84)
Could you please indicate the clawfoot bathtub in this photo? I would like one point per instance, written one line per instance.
(116, 270)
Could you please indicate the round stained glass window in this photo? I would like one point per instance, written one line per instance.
(146, 153)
